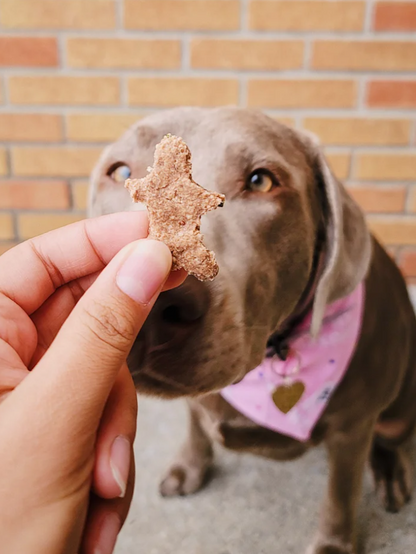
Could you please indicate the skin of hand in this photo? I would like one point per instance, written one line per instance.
(72, 302)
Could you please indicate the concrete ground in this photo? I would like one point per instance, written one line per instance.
(252, 506)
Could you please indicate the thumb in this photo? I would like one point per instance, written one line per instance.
(82, 363)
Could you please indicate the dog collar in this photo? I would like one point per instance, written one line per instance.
(278, 341)
(289, 396)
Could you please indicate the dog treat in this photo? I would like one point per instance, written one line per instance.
(175, 204)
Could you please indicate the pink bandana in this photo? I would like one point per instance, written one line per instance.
(312, 371)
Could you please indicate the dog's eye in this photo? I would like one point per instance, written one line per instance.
(261, 181)
(119, 173)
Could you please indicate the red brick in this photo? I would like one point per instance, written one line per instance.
(309, 15)
(360, 130)
(98, 126)
(395, 16)
(34, 195)
(263, 55)
(177, 91)
(377, 199)
(123, 53)
(182, 15)
(28, 51)
(412, 200)
(391, 94)
(6, 227)
(407, 262)
(57, 161)
(80, 194)
(394, 230)
(386, 166)
(301, 93)
(340, 163)
(35, 127)
(364, 55)
(64, 89)
(3, 162)
(58, 14)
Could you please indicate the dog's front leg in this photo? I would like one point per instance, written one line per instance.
(347, 453)
(189, 469)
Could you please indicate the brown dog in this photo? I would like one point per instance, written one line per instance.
(289, 240)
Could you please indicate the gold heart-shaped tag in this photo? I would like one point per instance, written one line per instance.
(287, 396)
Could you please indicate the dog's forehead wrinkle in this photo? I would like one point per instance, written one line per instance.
(145, 135)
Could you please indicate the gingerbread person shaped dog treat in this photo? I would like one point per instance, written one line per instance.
(175, 204)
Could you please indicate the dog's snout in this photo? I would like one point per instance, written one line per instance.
(178, 312)
(186, 304)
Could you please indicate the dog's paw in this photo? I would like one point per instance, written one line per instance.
(392, 473)
(182, 480)
(330, 546)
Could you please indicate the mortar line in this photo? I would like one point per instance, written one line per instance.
(243, 92)
(275, 74)
(119, 7)
(366, 36)
(361, 95)
(185, 55)
(244, 15)
(369, 16)
(413, 133)
(62, 57)
(307, 55)
(117, 109)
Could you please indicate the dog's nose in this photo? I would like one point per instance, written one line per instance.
(178, 312)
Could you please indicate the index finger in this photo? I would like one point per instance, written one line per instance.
(33, 270)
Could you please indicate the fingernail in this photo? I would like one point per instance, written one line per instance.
(120, 456)
(108, 533)
(145, 270)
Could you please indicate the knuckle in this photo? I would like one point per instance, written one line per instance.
(111, 323)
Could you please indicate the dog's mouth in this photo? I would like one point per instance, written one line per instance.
(158, 385)
(186, 349)
(153, 383)
(148, 366)
(169, 372)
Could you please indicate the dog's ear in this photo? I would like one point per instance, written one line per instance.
(347, 250)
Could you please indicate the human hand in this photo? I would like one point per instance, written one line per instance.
(71, 304)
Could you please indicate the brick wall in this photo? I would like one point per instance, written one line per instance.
(76, 73)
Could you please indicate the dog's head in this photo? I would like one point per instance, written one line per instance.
(288, 229)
